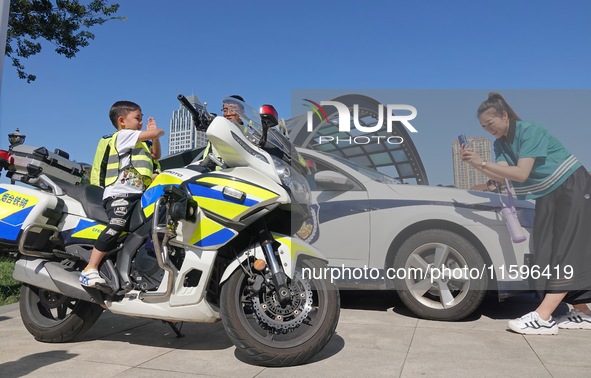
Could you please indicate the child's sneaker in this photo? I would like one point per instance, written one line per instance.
(575, 319)
(90, 278)
(532, 324)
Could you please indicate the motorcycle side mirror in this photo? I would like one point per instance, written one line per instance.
(269, 116)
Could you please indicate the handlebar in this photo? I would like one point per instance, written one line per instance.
(201, 118)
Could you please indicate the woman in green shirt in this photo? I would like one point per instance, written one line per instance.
(540, 168)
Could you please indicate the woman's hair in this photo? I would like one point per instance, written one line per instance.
(121, 108)
(497, 102)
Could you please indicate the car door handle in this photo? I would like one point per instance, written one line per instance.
(361, 210)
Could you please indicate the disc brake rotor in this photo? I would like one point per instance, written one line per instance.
(283, 319)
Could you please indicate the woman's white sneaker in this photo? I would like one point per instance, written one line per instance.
(575, 319)
(532, 324)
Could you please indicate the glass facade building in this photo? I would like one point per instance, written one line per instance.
(183, 136)
(466, 176)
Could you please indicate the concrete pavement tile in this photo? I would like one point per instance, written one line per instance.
(160, 334)
(129, 346)
(136, 346)
(118, 342)
(569, 350)
(383, 336)
(13, 328)
(17, 348)
(208, 353)
(471, 353)
(356, 350)
(109, 324)
(482, 324)
(558, 371)
(207, 357)
(387, 317)
(152, 373)
(10, 320)
(64, 366)
(8, 309)
(21, 343)
(379, 341)
(119, 352)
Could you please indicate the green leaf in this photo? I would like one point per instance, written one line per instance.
(65, 24)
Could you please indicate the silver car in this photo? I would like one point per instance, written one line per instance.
(440, 248)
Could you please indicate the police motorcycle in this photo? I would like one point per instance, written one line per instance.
(209, 241)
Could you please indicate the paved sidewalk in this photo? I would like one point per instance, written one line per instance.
(376, 336)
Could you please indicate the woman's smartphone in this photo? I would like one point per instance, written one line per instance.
(462, 140)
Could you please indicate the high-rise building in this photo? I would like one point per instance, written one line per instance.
(466, 176)
(183, 135)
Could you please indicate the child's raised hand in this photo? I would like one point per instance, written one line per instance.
(151, 124)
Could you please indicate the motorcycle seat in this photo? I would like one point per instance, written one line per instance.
(91, 199)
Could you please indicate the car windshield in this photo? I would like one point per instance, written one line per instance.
(371, 173)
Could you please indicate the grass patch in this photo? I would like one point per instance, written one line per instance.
(9, 287)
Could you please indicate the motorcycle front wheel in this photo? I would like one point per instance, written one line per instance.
(54, 318)
(275, 335)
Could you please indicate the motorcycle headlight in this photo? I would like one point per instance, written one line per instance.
(296, 183)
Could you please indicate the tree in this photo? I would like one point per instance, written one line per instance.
(64, 23)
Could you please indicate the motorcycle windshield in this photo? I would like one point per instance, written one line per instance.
(249, 121)
(251, 125)
(246, 117)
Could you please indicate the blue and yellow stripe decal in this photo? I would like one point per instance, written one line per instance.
(87, 230)
(156, 190)
(207, 190)
(14, 209)
(296, 246)
(210, 234)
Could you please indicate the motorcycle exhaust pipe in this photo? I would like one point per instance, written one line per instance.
(51, 276)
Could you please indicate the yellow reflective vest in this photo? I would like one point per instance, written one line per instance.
(106, 163)
(99, 164)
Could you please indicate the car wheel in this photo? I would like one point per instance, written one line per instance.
(440, 275)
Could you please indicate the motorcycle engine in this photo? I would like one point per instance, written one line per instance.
(145, 272)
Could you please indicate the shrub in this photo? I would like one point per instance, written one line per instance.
(9, 287)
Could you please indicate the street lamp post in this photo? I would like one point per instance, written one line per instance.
(15, 139)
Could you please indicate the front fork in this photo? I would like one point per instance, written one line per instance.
(278, 276)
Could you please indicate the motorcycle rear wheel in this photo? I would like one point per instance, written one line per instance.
(54, 318)
(266, 347)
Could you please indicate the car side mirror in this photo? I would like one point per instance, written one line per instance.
(269, 116)
(331, 180)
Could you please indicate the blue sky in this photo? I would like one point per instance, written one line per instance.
(264, 50)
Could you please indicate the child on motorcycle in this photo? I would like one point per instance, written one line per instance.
(129, 172)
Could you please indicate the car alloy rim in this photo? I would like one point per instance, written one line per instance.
(437, 276)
